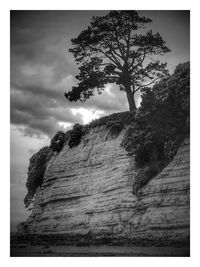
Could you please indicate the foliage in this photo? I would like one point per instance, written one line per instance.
(75, 135)
(115, 122)
(143, 177)
(111, 50)
(122, 117)
(115, 127)
(162, 122)
(57, 142)
(36, 171)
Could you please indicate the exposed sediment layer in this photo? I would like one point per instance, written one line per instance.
(87, 192)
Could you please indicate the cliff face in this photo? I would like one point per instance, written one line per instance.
(87, 191)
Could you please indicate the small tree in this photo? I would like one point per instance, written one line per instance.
(111, 50)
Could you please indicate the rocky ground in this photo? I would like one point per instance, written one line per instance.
(24, 250)
(64, 246)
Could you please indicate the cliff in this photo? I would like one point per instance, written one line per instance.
(87, 192)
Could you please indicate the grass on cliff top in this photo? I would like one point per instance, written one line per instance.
(125, 118)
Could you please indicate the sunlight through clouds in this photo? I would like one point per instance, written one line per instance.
(64, 125)
(87, 114)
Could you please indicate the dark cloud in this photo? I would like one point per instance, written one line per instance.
(42, 70)
(39, 113)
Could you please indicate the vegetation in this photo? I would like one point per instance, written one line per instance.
(118, 123)
(36, 171)
(39, 160)
(113, 50)
(75, 135)
(115, 122)
(143, 177)
(58, 141)
(161, 123)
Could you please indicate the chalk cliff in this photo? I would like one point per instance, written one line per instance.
(87, 192)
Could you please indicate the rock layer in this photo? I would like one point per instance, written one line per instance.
(87, 191)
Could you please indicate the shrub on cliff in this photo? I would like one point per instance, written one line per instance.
(58, 141)
(143, 177)
(162, 121)
(124, 118)
(75, 135)
(36, 169)
(115, 127)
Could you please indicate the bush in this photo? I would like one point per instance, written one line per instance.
(58, 141)
(171, 147)
(143, 177)
(115, 127)
(75, 135)
(36, 169)
(123, 118)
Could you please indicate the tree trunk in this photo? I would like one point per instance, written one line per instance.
(130, 97)
(129, 93)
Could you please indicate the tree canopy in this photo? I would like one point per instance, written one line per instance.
(113, 50)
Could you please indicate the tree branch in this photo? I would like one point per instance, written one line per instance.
(113, 50)
(141, 61)
(145, 85)
(128, 45)
(116, 38)
(117, 64)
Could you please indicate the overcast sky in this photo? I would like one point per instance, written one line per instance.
(42, 69)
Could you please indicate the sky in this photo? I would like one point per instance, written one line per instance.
(42, 70)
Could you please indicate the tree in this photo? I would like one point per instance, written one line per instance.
(111, 50)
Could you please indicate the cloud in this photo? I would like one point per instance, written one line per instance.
(87, 114)
(39, 114)
(42, 71)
